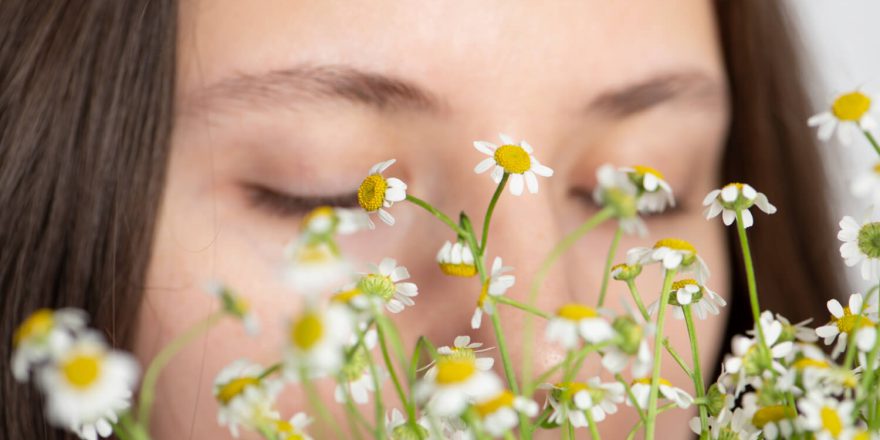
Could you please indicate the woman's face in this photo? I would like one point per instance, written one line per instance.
(297, 99)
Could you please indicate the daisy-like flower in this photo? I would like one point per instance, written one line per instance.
(355, 377)
(702, 300)
(377, 193)
(453, 384)
(674, 254)
(463, 348)
(736, 197)
(245, 399)
(861, 244)
(571, 400)
(625, 272)
(641, 390)
(513, 158)
(850, 113)
(843, 321)
(575, 321)
(616, 189)
(87, 386)
(42, 336)
(313, 267)
(397, 428)
(728, 425)
(655, 194)
(456, 260)
(746, 365)
(867, 185)
(631, 343)
(497, 284)
(799, 332)
(383, 285)
(827, 418)
(498, 413)
(293, 429)
(327, 221)
(316, 342)
(235, 305)
(773, 421)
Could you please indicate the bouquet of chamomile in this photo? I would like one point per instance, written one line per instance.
(782, 379)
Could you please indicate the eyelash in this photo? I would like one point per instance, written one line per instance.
(289, 205)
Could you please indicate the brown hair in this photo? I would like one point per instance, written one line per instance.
(86, 100)
(86, 95)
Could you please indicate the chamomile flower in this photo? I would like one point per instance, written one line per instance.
(397, 428)
(497, 284)
(377, 193)
(849, 114)
(746, 365)
(655, 194)
(245, 399)
(843, 321)
(453, 384)
(383, 284)
(312, 267)
(456, 260)
(42, 336)
(498, 413)
(316, 342)
(800, 331)
(327, 221)
(867, 185)
(728, 425)
(861, 244)
(736, 197)
(355, 378)
(87, 386)
(825, 417)
(513, 158)
(573, 322)
(293, 429)
(571, 400)
(641, 390)
(772, 421)
(631, 342)
(688, 292)
(625, 272)
(462, 347)
(674, 254)
(235, 305)
(617, 190)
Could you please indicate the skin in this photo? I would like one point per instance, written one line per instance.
(545, 72)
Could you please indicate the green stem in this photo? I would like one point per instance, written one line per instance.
(567, 242)
(318, 404)
(594, 431)
(485, 237)
(270, 371)
(635, 428)
(629, 393)
(379, 413)
(750, 278)
(148, 386)
(872, 141)
(644, 311)
(655, 375)
(354, 416)
(699, 385)
(609, 260)
(392, 371)
(436, 213)
(505, 357)
(522, 306)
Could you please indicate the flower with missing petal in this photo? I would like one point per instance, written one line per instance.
(849, 114)
(377, 193)
(513, 158)
(736, 197)
(861, 244)
(674, 254)
(654, 193)
(497, 284)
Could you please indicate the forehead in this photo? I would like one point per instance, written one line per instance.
(464, 51)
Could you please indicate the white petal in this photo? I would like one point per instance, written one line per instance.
(484, 165)
(835, 308)
(531, 182)
(728, 216)
(486, 148)
(516, 184)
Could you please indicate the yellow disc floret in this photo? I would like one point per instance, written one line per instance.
(35, 326)
(502, 400)
(371, 194)
(641, 169)
(307, 331)
(676, 244)
(513, 158)
(851, 106)
(458, 270)
(234, 387)
(831, 421)
(847, 322)
(772, 414)
(576, 312)
(82, 370)
(454, 370)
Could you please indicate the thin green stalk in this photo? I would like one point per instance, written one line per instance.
(505, 357)
(379, 408)
(436, 213)
(655, 375)
(629, 393)
(567, 242)
(354, 416)
(392, 371)
(699, 385)
(568, 429)
(609, 260)
(318, 404)
(872, 141)
(491, 209)
(635, 428)
(148, 386)
(644, 311)
(750, 278)
(269, 371)
(522, 306)
(851, 342)
(594, 431)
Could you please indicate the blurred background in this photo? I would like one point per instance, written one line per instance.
(841, 40)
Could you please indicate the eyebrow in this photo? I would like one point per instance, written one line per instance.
(645, 94)
(316, 83)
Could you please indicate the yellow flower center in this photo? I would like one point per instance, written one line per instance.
(647, 381)
(576, 312)
(831, 421)
(37, 325)
(346, 296)
(234, 387)
(681, 284)
(641, 169)
(82, 370)
(371, 194)
(804, 363)
(877, 168)
(316, 214)
(502, 400)
(772, 414)
(307, 331)
(458, 270)
(851, 106)
(676, 244)
(314, 253)
(847, 322)
(454, 370)
(289, 431)
(513, 158)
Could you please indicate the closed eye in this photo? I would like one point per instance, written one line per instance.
(292, 205)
